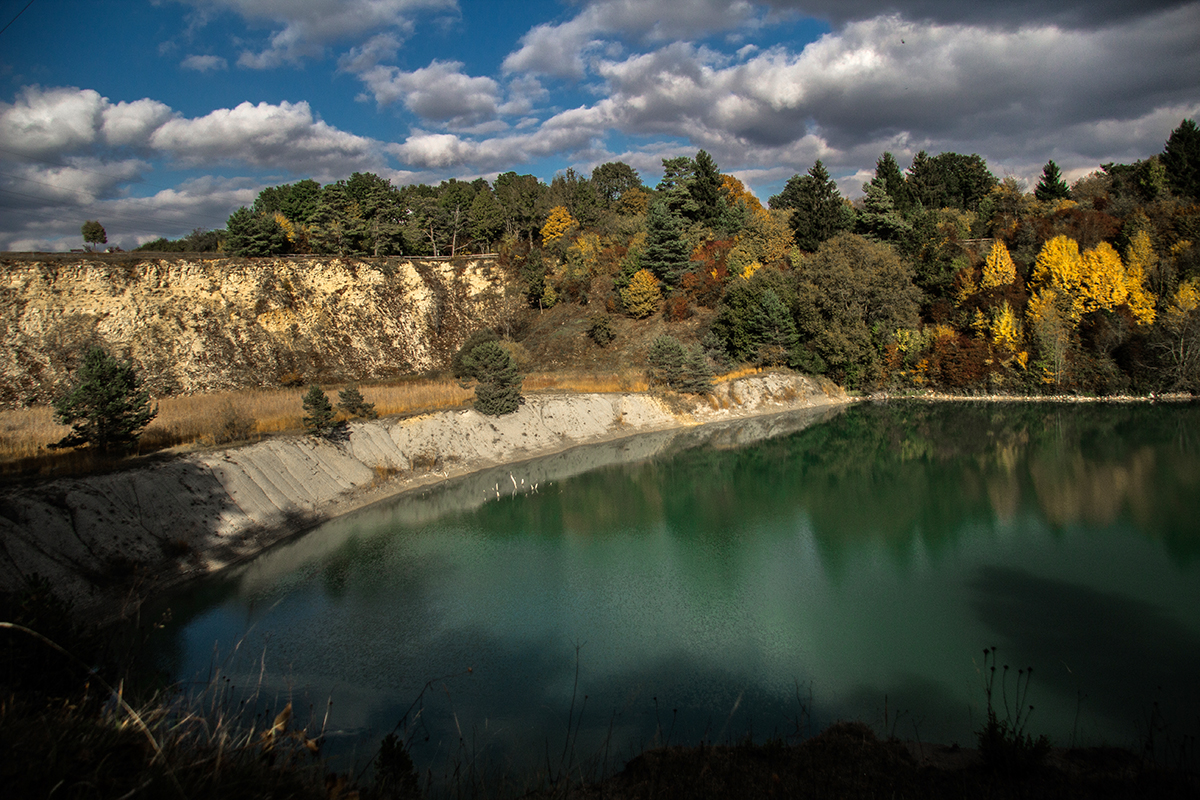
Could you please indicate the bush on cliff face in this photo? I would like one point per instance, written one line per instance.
(107, 408)
(498, 390)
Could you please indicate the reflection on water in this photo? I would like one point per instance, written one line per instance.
(706, 589)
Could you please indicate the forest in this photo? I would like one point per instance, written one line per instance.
(941, 276)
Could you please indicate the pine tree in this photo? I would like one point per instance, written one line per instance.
(666, 358)
(705, 188)
(1051, 187)
(498, 390)
(318, 411)
(351, 401)
(666, 253)
(107, 408)
(818, 213)
(1181, 159)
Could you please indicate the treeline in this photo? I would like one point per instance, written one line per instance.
(939, 276)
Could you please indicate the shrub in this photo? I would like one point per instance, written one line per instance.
(601, 331)
(107, 408)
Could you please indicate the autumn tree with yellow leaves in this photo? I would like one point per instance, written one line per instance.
(558, 224)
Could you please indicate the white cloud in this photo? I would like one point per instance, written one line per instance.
(204, 63)
(564, 49)
(1079, 14)
(441, 92)
(42, 121)
(304, 28)
(285, 136)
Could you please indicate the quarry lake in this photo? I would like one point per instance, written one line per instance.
(710, 588)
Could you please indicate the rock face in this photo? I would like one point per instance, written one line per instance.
(192, 324)
(106, 538)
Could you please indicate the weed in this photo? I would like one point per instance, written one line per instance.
(1004, 744)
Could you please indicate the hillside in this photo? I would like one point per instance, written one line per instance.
(196, 324)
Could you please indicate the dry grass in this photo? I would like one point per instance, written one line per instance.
(220, 418)
(586, 382)
(737, 374)
(207, 420)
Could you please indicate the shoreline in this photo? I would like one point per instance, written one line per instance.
(108, 543)
(1171, 397)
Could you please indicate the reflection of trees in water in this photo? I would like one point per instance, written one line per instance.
(892, 472)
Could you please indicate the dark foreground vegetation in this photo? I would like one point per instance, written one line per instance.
(73, 726)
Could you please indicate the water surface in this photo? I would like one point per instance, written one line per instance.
(702, 588)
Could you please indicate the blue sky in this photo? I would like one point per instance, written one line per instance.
(160, 116)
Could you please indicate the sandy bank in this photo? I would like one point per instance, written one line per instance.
(108, 541)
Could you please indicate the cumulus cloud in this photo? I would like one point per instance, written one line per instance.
(130, 221)
(66, 157)
(892, 80)
(441, 92)
(304, 28)
(563, 49)
(285, 136)
(1085, 14)
(204, 63)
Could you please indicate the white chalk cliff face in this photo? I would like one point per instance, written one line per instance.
(193, 324)
(106, 539)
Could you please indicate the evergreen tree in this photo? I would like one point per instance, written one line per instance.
(498, 390)
(107, 408)
(612, 179)
(705, 189)
(666, 253)
(460, 362)
(1181, 160)
(485, 221)
(879, 219)
(889, 175)
(678, 174)
(254, 235)
(818, 212)
(949, 180)
(318, 411)
(351, 401)
(666, 359)
(1051, 186)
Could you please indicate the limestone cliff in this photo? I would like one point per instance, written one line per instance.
(201, 324)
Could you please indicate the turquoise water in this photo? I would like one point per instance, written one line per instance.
(705, 589)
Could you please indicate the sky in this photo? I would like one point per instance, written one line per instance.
(157, 117)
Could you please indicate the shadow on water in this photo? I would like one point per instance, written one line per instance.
(1124, 654)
